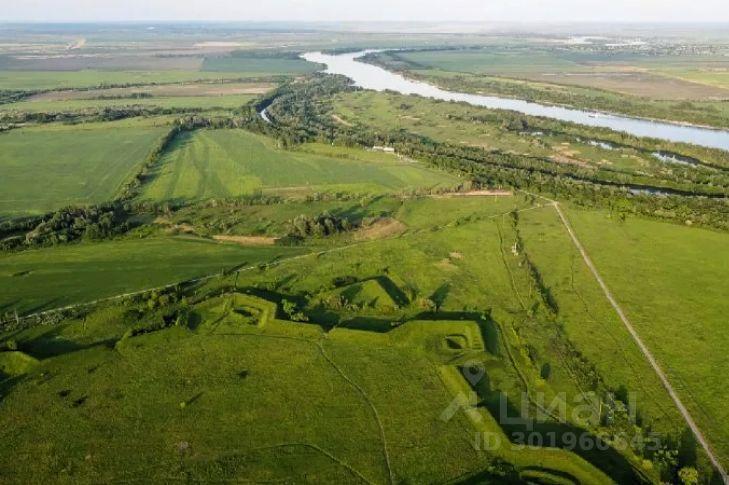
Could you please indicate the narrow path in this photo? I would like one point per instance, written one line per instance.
(344, 376)
(643, 348)
(323, 452)
(367, 399)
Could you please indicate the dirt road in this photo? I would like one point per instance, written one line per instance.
(643, 348)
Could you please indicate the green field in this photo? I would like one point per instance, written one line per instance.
(661, 87)
(258, 65)
(41, 80)
(227, 163)
(182, 102)
(212, 69)
(492, 61)
(718, 77)
(454, 261)
(50, 167)
(678, 303)
(233, 364)
(55, 277)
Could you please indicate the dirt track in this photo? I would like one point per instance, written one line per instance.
(643, 348)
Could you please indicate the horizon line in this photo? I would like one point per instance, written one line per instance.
(300, 21)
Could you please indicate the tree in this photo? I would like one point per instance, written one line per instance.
(688, 475)
(546, 371)
(291, 310)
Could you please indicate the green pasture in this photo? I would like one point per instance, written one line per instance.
(250, 65)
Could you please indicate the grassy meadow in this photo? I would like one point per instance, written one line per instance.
(54, 277)
(676, 302)
(230, 367)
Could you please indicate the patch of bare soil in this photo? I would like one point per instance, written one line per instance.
(174, 228)
(339, 120)
(477, 193)
(446, 265)
(567, 160)
(381, 229)
(247, 240)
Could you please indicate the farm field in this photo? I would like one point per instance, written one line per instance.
(713, 77)
(43, 80)
(95, 74)
(49, 167)
(178, 102)
(228, 163)
(633, 75)
(204, 89)
(261, 65)
(633, 83)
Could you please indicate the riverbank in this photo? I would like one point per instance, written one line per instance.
(374, 77)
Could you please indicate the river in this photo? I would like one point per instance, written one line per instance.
(376, 78)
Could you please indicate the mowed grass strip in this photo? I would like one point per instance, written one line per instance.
(54, 277)
(227, 163)
(47, 168)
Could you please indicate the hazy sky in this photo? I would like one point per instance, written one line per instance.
(364, 10)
